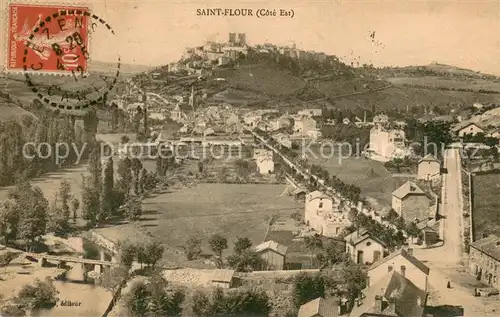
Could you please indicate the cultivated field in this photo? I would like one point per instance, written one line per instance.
(448, 83)
(486, 205)
(205, 209)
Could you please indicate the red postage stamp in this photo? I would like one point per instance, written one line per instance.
(47, 38)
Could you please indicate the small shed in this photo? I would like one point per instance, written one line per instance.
(273, 254)
(222, 278)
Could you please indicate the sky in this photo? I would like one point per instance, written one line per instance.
(407, 32)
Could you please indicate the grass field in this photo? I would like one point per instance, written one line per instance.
(449, 83)
(371, 176)
(486, 205)
(262, 78)
(205, 209)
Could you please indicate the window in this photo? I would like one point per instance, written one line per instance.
(389, 268)
(368, 244)
(321, 203)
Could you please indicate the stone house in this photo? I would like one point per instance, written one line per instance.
(394, 295)
(411, 202)
(428, 167)
(467, 128)
(273, 253)
(364, 248)
(404, 263)
(484, 260)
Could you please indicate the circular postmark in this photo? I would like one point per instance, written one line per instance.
(60, 44)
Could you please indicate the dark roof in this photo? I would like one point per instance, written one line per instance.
(361, 235)
(489, 245)
(319, 307)
(400, 298)
(428, 158)
(422, 267)
(464, 124)
(406, 189)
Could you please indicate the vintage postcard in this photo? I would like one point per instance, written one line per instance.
(248, 158)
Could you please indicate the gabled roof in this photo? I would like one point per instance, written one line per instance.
(222, 275)
(317, 195)
(400, 298)
(429, 158)
(402, 252)
(464, 124)
(319, 307)
(272, 245)
(361, 235)
(489, 245)
(406, 189)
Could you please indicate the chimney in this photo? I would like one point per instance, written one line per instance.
(378, 304)
(403, 270)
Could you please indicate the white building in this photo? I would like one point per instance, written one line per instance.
(265, 164)
(322, 216)
(304, 125)
(386, 143)
(428, 167)
(403, 262)
(363, 248)
(310, 112)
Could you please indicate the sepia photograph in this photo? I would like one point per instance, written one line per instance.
(246, 158)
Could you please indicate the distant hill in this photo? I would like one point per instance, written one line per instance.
(437, 69)
(107, 67)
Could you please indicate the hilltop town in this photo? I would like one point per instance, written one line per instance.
(256, 180)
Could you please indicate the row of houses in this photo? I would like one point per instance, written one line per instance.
(397, 286)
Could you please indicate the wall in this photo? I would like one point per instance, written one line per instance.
(368, 251)
(428, 169)
(412, 273)
(275, 274)
(274, 260)
(479, 261)
(415, 206)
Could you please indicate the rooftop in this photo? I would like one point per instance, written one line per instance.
(399, 298)
(489, 245)
(428, 158)
(406, 189)
(222, 275)
(272, 245)
(319, 307)
(402, 252)
(361, 235)
(317, 194)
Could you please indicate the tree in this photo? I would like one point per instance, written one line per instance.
(95, 168)
(307, 288)
(90, 204)
(133, 210)
(164, 302)
(153, 253)
(137, 300)
(246, 260)
(332, 253)
(356, 280)
(65, 196)
(42, 294)
(113, 279)
(412, 229)
(218, 244)
(192, 248)
(9, 218)
(106, 208)
(58, 223)
(128, 253)
(201, 306)
(142, 180)
(32, 207)
(75, 204)
(313, 243)
(241, 244)
(125, 175)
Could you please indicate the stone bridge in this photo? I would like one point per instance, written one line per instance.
(98, 265)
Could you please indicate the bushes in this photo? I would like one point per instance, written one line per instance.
(41, 294)
(240, 303)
